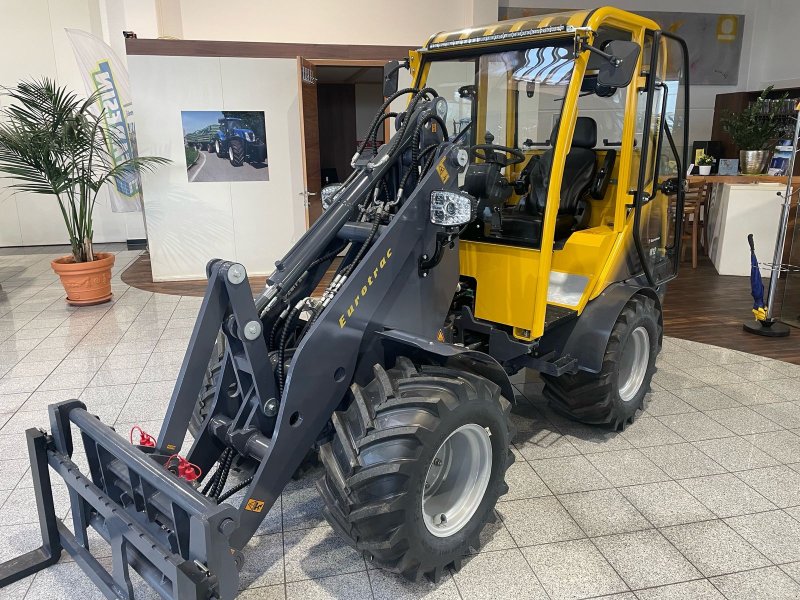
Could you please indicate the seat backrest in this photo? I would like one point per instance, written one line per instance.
(579, 169)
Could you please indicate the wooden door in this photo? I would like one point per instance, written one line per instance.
(337, 128)
(309, 134)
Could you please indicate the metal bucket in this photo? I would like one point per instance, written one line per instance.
(753, 162)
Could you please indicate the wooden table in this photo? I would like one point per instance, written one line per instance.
(741, 179)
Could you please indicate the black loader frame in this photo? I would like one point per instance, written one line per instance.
(381, 304)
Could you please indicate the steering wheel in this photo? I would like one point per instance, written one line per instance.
(497, 154)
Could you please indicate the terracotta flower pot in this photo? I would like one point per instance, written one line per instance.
(86, 283)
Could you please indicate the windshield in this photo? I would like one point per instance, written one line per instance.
(537, 79)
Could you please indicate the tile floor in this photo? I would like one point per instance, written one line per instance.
(699, 499)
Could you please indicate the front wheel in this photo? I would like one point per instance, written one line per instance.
(616, 395)
(219, 149)
(416, 465)
(236, 152)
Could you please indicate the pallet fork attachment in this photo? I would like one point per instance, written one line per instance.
(174, 537)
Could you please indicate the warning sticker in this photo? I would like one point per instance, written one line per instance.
(254, 505)
(442, 170)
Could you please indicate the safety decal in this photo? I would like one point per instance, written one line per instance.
(254, 505)
(442, 170)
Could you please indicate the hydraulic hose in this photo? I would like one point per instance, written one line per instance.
(379, 115)
(290, 323)
(374, 138)
(216, 490)
(415, 152)
(409, 111)
(276, 326)
(234, 489)
(212, 483)
(273, 333)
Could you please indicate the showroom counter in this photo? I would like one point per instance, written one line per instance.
(736, 210)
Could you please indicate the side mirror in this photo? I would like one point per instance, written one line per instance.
(390, 77)
(617, 72)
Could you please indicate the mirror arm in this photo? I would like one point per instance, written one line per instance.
(401, 64)
(616, 61)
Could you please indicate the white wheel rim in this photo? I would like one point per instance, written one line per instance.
(456, 481)
(217, 145)
(230, 153)
(633, 363)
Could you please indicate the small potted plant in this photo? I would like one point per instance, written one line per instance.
(54, 143)
(754, 130)
(704, 163)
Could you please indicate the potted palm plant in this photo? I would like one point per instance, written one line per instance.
(55, 143)
(754, 130)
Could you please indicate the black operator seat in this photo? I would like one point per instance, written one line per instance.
(525, 221)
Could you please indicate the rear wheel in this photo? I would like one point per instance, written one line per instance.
(416, 466)
(236, 152)
(206, 395)
(616, 395)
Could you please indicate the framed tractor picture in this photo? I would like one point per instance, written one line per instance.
(225, 145)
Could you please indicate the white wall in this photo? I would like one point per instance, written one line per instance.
(251, 222)
(774, 59)
(331, 22)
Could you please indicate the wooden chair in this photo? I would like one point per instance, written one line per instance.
(695, 220)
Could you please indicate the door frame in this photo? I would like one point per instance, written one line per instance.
(329, 62)
(336, 62)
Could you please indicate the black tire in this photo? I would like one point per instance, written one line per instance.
(377, 463)
(209, 384)
(220, 149)
(236, 152)
(594, 398)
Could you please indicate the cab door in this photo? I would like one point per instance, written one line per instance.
(658, 198)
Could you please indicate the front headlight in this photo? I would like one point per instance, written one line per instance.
(329, 194)
(250, 136)
(452, 209)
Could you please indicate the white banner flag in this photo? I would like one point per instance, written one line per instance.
(104, 72)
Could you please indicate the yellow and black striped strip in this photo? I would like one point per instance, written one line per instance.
(513, 30)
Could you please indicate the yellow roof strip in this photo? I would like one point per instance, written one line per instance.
(473, 35)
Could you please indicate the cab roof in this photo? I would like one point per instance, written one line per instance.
(525, 27)
(533, 27)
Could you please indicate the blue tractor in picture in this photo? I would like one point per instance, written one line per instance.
(237, 142)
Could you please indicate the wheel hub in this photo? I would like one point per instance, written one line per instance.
(633, 363)
(456, 480)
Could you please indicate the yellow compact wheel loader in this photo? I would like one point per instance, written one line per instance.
(526, 213)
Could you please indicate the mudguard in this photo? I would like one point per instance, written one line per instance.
(585, 338)
(401, 343)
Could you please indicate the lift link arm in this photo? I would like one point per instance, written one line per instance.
(228, 294)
